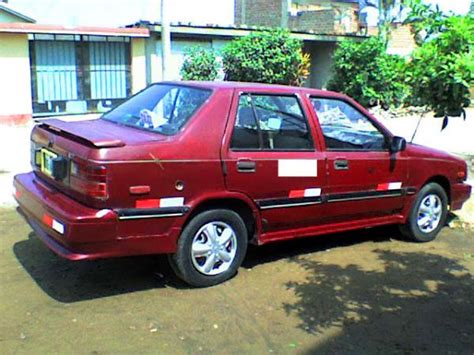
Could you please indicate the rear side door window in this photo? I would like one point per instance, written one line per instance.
(346, 128)
(270, 122)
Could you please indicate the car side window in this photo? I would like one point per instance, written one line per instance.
(346, 128)
(270, 122)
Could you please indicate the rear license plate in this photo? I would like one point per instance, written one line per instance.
(47, 161)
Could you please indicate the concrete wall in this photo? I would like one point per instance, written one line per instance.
(321, 64)
(5, 17)
(267, 13)
(321, 58)
(178, 52)
(320, 16)
(138, 53)
(15, 83)
(401, 41)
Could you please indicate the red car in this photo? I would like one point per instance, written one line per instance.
(199, 170)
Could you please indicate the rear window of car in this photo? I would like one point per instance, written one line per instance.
(160, 108)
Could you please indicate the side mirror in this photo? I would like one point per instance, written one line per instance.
(398, 144)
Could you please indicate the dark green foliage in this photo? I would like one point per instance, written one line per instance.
(266, 57)
(442, 68)
(200, 64)
(364, 71)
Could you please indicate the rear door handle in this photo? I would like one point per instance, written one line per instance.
(341, 164)
(246, 166)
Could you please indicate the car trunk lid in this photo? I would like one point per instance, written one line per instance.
(72, 156)
(98, 133)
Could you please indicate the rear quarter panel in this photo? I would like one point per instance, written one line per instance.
(190, 158)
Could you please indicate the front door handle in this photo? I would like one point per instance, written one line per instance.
(246, 166)
(341, 164)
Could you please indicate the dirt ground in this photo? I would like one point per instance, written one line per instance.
(363, 292)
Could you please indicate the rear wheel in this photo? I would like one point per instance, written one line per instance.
(428, 214)
(211, 248)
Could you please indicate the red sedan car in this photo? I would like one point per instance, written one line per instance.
(199, 170)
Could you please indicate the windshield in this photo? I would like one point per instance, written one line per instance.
(160, 108)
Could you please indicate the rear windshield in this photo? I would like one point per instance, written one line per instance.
(160, 108)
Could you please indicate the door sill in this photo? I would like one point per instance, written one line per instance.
(329, 228)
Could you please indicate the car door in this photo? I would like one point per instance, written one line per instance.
(365, 180)
(270, 155)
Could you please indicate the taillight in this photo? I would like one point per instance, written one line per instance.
(88, 178)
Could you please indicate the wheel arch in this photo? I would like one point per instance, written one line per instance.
(443, 181)
(240, 205)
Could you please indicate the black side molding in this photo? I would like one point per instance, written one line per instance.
(139, 213)
(288, 202)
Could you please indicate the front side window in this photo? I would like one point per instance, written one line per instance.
(160, 108)
(345, 128)
(270, 122)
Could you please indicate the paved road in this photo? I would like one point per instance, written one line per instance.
(365, 292)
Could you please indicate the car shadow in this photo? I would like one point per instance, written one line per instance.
(297, 247)
(73, 281)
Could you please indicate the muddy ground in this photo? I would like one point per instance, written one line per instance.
(363, 292)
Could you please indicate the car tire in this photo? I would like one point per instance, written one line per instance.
(211, 248)
(427, 215)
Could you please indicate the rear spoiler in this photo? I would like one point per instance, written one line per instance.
(81, 131)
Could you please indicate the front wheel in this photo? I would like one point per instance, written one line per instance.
(211, 248)
(428, 214)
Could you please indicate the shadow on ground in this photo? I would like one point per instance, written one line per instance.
(293, 248)
(416, 302)
(73, 281)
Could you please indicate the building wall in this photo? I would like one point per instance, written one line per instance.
(15, 83)
(321, 21)
(321, 64)
(401, 41)
(266, 13)
(179, 46)
(8, 18)
(320, 16)
(138, 70)
(321, 57)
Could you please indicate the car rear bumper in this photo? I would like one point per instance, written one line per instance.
(77, 232)
(460, 193)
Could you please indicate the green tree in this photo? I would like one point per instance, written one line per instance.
(442, 67)
(389, 12)
(200, 64)
(267, 57)
(364, 71)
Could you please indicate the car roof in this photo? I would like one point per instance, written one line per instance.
(252, 86)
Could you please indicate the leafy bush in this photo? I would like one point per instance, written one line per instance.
(267, 57)
(442, 68)
(364, 71)
(200, 64)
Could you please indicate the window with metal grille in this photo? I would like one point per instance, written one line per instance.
(78, 74)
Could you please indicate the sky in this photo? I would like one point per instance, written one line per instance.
(457, 6)
(99, 12)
